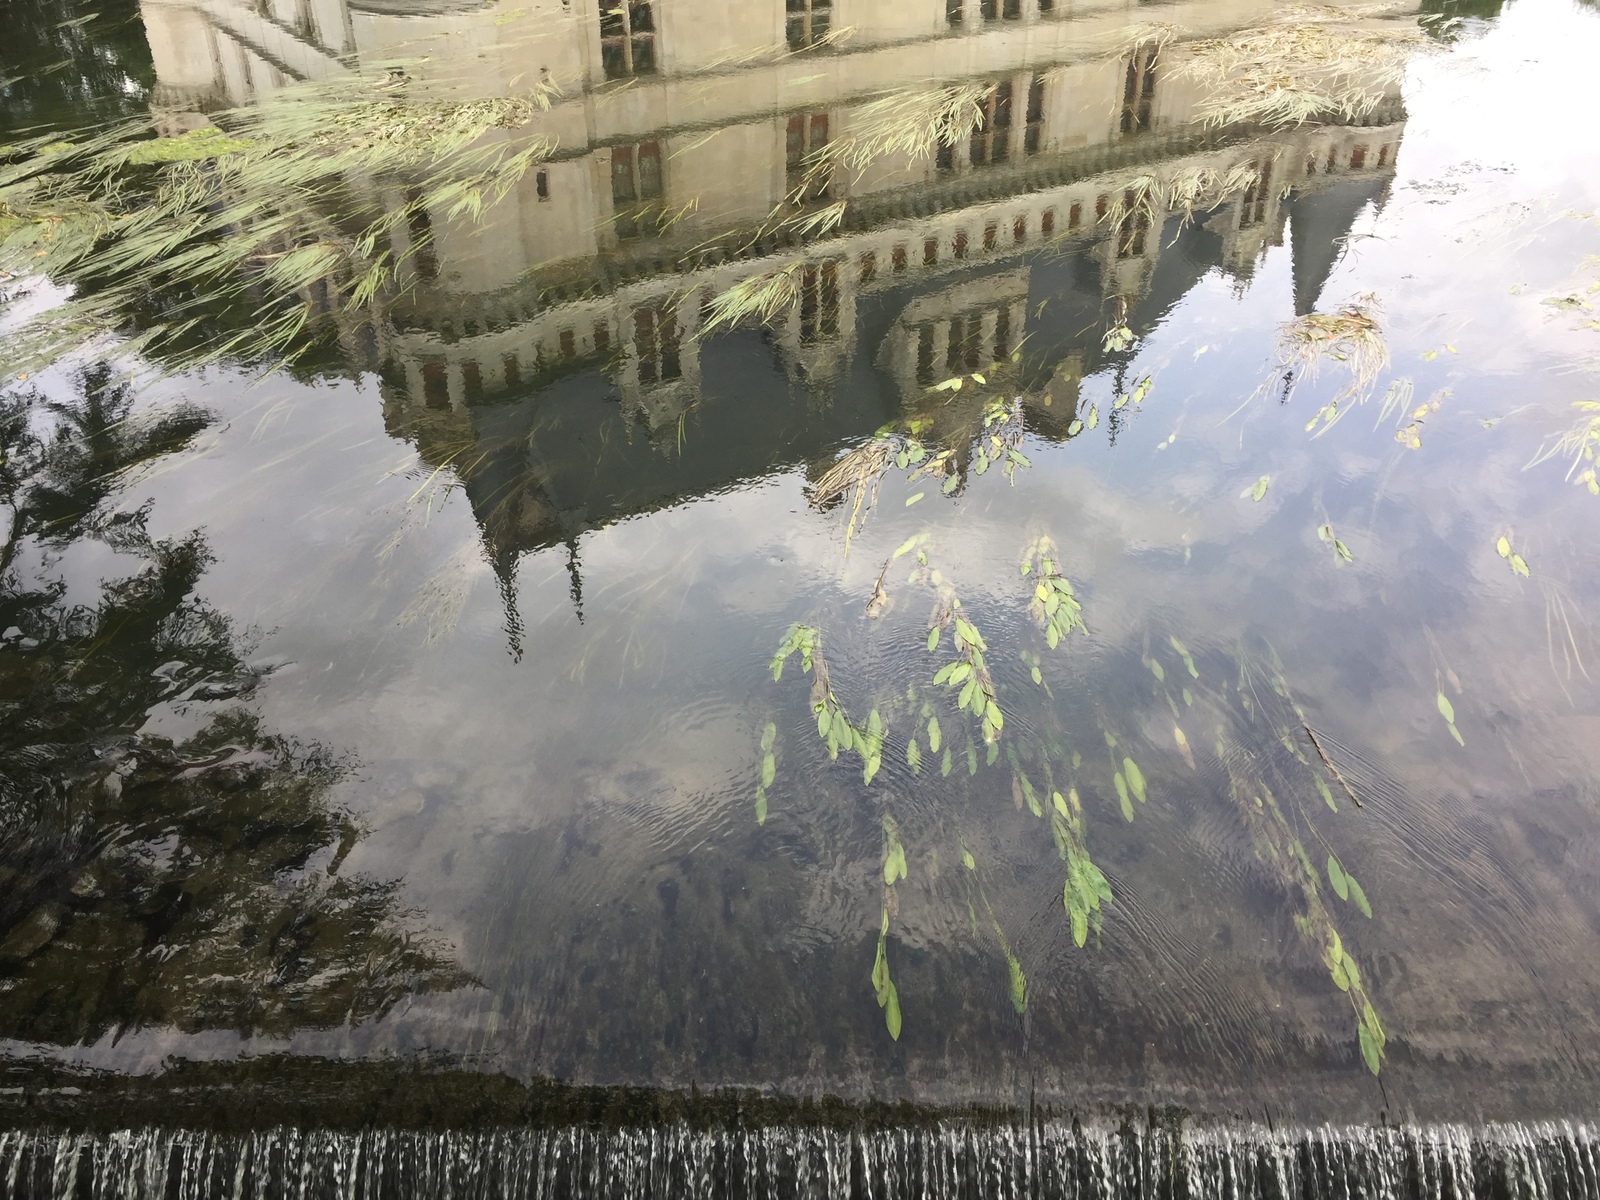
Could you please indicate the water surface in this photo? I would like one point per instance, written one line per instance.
(417, 699)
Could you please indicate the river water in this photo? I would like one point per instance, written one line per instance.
(1172, 510)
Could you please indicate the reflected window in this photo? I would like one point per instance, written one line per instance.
(807, 133)
(420, 227)
(1011, 10)
(435, 385)
(965, 351)
(655, 340)
(952, 12)
(991, 140)
(636, 189)
(808, 21)
(1033, 137)
(1134, 227)
(627, 38)
(819, 302)
(1253, 208)
(1358, 158)
(1139, 91)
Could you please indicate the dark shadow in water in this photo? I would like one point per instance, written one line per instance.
(190, 882)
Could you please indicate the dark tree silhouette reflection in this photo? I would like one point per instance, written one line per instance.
(192, 883)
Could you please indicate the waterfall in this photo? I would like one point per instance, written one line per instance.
(1045, 1160)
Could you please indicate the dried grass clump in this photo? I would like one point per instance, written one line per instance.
(1305, 66)
(1351, 337)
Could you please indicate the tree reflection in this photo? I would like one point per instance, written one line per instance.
(147, 880)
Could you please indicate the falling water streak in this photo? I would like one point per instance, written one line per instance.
(1072, 1161)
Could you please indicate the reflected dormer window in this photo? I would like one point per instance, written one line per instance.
(1253, 209)
(809, 21)
(627, 38)
(655, 340)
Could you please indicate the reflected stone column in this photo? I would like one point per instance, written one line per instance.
(988, 322)
(941, 346)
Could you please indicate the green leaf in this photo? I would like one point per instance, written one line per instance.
(1359, 897)
(1135, 778)
(1075, 428)
(945, 763)
(1093, 418)
(769, 735)
(972, 759)
(870, 768)
(761, 806)
(1504, 547)
(907, 546)
(1456, 733)
(1122, 795)
(1327, 796)
(1038, 676)
(967, 860)
(910, 500)
(1019, 984)
(934, 734)
(992, 712)
(933, 639)
(777, 667)
(891, 1013)
(1341, 979)
(1336, 876)
(1080, 924)
(1371, 1052)
(913, 756)
(951, 484)
(1343, 551)
(1446, 709)
(1519, 566)
(769, 769)
(1260, 488)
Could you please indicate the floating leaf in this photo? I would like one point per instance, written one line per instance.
(910, 500)
(1019, 984)
(1371, 1052)
(967, 860)
(913, 756)
(1358, 897)
(1336, 876)
(1093, 417)
(1122, 795)
(1135, 778)
(891, 1013)
(769, 769)
(945, 763)
(769, 735)
(761, 806)
(933, 642)
(1503, 545)
(1260, 489)
(934, 735)
(1519, 566)
(1446, 709)
(1327, 796)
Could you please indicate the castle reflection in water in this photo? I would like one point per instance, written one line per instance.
(552, 345)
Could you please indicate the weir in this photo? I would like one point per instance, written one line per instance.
(1071, 1160)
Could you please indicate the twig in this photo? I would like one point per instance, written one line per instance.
(1328, 762)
